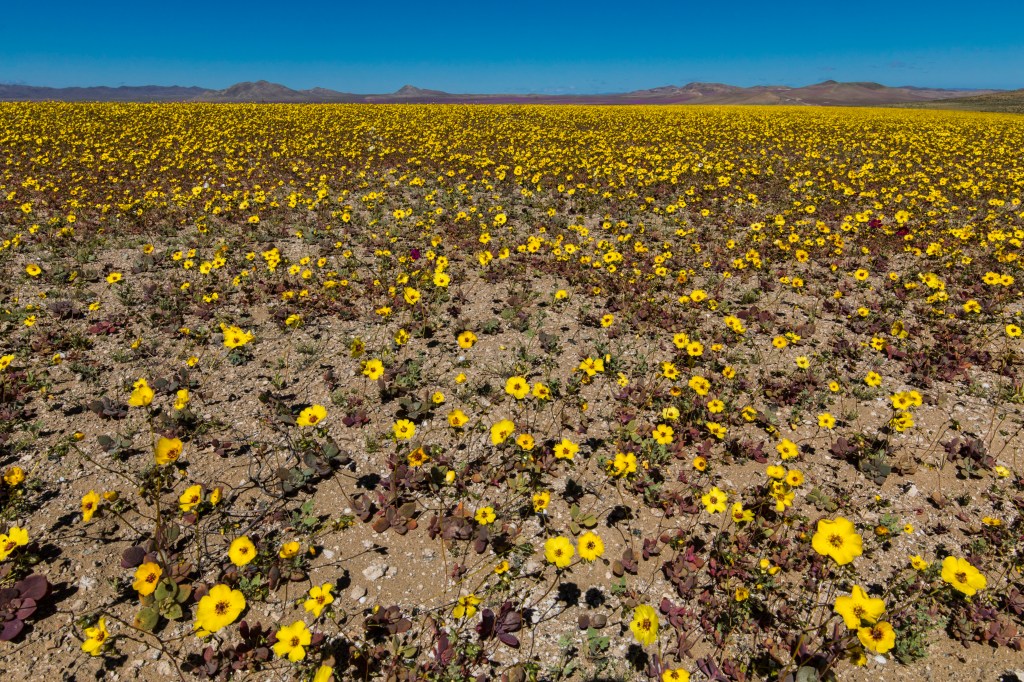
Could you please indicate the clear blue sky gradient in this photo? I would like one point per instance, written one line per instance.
(513, 47)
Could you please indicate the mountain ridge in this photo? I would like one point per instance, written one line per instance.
(827, 93)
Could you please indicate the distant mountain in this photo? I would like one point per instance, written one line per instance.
(827, 93)
(1011, 101)
(125, 93)
(263, 91)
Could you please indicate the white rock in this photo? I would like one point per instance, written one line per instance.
(374, 572)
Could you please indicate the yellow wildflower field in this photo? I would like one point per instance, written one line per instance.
(509, 392)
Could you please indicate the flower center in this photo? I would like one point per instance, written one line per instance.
(961, 577)
(222, 607)
(295, 641)
(836, 540)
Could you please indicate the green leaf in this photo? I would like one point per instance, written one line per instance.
(184, 592)
(165, 589)
(146, 619)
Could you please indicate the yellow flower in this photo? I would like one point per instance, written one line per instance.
(837, 539)
(457, 419)
(566, 449)
(962, 575)
(541, 392)
(319, 598)
(146, 578)
(5, 361)
(312, 415)
(607, 320)
(590, 546)
(191, 498)
(859, 606)
(558, 551)
(517, 387)
(541, 501)
(291, 640)
(95, 638)
(235, 337)
(167, 450)
(324, 673)
(794, 478)
(525, 441)
(33, 270)
(918, 563)
(787, 449)
(15, 537)
(879, 637)
(90, 503)
(217, 609)
(181, 399)
(873, 379)
(826, 421)
(714, 500)
(466, 607)
(289, 549)
(645, 625)
(1013, 331)
(622, 465)
(142, 394)
(242, 551)
(561, 295)
(14, 476)
(700, 385)
(412, 296)
(114, 278)
(663, 434)
(485, 515)
(675, 675)
(418, 458)
(803, 362)
(741, 594)
(374, 369)
(404, 429)
(501, 431)
(741, 515)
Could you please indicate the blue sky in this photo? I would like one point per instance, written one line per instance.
(513, 47)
